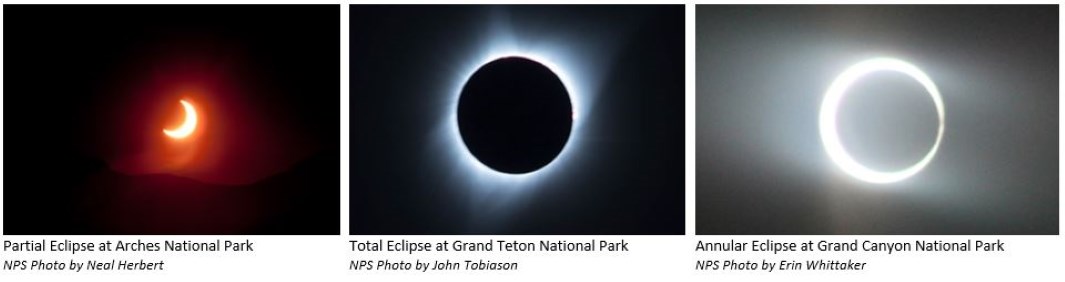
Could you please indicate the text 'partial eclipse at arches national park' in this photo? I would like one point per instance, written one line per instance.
(171, 119)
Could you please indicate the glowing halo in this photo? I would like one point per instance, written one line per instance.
(550, 66)
(830, 109)
(188, 126)
(538, 95)
(553, 58)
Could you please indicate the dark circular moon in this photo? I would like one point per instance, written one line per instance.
(515, 115)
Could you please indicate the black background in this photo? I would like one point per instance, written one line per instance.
(761, 75)
(627, 179)
(65, 63)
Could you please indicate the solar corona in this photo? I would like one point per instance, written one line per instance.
(514, 115)
(551, 76)
(828, 116)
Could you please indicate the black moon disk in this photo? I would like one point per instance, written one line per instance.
(515, 115)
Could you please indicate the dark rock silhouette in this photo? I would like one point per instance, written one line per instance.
(300, 200)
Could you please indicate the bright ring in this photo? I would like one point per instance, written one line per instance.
(830, 108)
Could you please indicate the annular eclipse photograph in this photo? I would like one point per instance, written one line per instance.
(525, 119)
(171, 120)
(872, 119)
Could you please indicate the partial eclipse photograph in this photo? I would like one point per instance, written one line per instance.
(876, 119)
(171, 120)
(526, 119)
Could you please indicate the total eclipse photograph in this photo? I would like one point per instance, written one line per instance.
(877, 120)
(171, 120)
(526, 119)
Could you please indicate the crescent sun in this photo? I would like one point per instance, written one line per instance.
(188, 126)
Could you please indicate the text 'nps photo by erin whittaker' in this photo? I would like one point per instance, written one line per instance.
(523, 119)
(875, 119)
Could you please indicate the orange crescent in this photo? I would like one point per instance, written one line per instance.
(188, 126)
